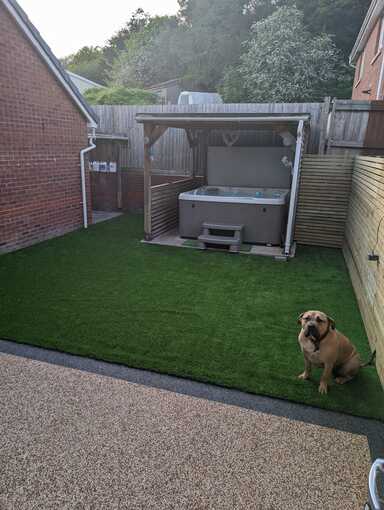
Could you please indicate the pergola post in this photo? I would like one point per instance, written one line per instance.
(151, 134)
(294, 189)
(147, 182)
(116, 157)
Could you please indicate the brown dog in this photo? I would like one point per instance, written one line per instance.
(323, 346)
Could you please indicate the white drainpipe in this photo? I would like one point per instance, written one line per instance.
(381, 79)
(83, 183)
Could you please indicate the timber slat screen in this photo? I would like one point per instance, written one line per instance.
(165, 206)
(365, 233)
(325, 187)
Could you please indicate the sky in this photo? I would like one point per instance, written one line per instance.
(68, 26)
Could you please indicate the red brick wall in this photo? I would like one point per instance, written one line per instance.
(42, 133)
(104, 189)
(372, 68)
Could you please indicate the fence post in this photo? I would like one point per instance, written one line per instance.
(332, 123)
(324, 124)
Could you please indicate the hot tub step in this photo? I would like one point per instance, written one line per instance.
(234, 242)
(214, 226)
(218, 240)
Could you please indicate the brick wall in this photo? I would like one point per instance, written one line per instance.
(42, 133)
(371, 71)
(104, 189)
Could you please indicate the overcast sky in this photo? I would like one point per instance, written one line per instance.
(68, 26)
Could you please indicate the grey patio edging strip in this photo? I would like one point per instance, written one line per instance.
(372, 429)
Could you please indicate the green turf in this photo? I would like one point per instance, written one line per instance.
(226, 319)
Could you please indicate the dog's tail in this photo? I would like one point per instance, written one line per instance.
(370, 361)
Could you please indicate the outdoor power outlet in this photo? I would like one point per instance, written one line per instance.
(372, 257)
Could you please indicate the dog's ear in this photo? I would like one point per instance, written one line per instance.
(331, 322)
(300, 317)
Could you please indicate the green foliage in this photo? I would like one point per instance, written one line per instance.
(207, 43)
(120, 95)
(151, 54)
(232, 88)
(196, 46)
(89, 62)
(340, 18)
(117, 43)
(214, 35)
(138, 21)
(283, 62)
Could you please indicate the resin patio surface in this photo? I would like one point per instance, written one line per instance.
(75, 439)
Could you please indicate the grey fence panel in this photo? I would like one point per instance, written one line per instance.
(172, 151)
(348, 126)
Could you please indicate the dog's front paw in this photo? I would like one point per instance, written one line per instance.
(304, 376)
(323, 388)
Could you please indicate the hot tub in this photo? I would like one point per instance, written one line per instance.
(263, 212)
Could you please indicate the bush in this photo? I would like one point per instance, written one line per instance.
(284, 62)
(120, 95)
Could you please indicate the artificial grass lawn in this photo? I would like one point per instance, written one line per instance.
(226, 319)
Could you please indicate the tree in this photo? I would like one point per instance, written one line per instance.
(120, 95)
(151, 55)
(284, 63)
(204, 46)
(340, 18)
(196, 46)
(215, 30)
(232, 88)
(90, 63)
(117, 43)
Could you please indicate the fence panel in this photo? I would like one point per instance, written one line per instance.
(172, 151)
(165, 206)
(355, 127)
(325, 187)
(364, 234)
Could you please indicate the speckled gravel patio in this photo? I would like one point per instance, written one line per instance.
(71, 439)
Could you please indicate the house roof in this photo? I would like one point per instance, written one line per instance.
(375, 11)
(53, 63)
(220, 120)
(84, 79)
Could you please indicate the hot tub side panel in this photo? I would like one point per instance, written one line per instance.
(263, 224)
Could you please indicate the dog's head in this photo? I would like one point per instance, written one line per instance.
(315, 324)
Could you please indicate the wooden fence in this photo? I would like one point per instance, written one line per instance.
(364, 233)
(164, 212)
(123, 191)
(336, 127)
(173, 153)
(355, 127)
(325, 187)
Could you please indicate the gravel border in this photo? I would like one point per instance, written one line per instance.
(372, 429)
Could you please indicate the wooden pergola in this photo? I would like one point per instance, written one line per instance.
(159, 218)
